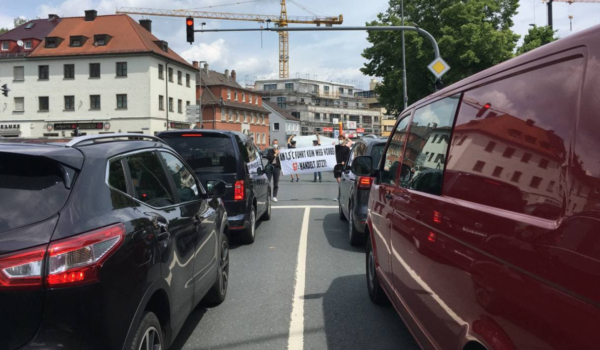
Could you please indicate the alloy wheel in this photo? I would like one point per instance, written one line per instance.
(252, 222)
(371, 270)
(151, 340)
(350, 222)
(224, 266)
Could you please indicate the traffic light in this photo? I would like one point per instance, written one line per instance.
(189, 25)
(5, 90)
(483, 109)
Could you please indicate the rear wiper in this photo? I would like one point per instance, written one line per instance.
(68, 175)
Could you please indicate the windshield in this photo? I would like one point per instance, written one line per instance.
(206, 153)
(31, 189)
(376, 153)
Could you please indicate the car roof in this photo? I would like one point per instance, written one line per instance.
(204, 131)
(69, 156)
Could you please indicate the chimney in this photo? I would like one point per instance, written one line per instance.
(195, 64)
(529, 122)
(52, 17)
(206, 68)
(227, 74)
(147, 24)
(90, 15)
(233, 74)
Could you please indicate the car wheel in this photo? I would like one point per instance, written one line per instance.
(376, 293)
(149, 334)
(250, 232)
(356, 238)
(341, 212)
(217, 293)
(267, 215)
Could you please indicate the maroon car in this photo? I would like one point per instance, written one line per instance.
(484, 216)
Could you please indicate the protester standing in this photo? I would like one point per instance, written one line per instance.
(292, 144)
(316, 143)
(342, 152)
(273, 159)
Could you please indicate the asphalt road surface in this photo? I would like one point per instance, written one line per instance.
(299, 286)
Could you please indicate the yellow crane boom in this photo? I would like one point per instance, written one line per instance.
(282, 20)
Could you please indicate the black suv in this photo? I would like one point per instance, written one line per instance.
(232, 157)
(106, 242)
(354, 190)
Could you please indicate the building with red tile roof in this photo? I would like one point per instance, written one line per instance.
(30, 34)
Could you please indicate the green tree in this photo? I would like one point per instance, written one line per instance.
(3, 30)
(19, 21)
(472, 35)
(537, 36)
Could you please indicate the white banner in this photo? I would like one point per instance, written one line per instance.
(307, 160)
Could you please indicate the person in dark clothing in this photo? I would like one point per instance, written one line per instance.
(273, 159)
(292, 144)
(342, 152)
(318, 174)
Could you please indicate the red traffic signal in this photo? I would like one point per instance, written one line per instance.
(189, 24)
(483, 109)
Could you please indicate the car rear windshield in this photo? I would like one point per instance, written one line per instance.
(376, 153)
(206, 153)
(31, 189)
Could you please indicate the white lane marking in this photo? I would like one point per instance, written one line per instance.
(304, 207)
(296, 337)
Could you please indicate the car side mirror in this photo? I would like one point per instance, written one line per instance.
(362, 166)
(268, 169)
(216, 188)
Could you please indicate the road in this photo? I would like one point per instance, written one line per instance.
(321, 297)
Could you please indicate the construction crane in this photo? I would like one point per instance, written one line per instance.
(282, 21)
(570, 2)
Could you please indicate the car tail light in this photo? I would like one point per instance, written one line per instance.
(22, 270)
(365, 182)
(432, 237)
(191, 135)
(437, 217)
(238, 188)
(77, 260)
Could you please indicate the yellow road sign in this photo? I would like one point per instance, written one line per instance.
(439, 67)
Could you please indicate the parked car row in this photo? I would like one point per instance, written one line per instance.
(483, 216)
(110, 241)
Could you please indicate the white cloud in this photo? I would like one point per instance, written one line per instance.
(213, 52)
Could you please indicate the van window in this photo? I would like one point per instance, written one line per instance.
(393, 153)
(427, 146)
(185, 184)
(208, 153)
(150, 184)
(116, 176)
(531, 134)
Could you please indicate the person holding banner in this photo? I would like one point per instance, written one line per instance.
(292, 144)
(273, 159)
(342, 152)
(317, 142)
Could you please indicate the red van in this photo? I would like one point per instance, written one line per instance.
(484, 218)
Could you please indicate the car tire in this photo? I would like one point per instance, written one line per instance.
(267, 215)
(149, 330)
(356, 238)
(217, 293)
(376, 292)
(341, 212)
(249, 234)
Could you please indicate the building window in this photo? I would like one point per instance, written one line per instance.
(76, 41)
(544, 163)
(535, 182)
(243, 97)
(490, 146)
(179, 106)
(530, 139)
(94, 70)
(281, 102)
(256, 101)
(19, 73)
(94, 101)
(44, 103)
(170, 75)
(235, 96)
(69, 71)
(228, 94)
(179, 77)
(526, 158)
(516, 176)
(187, 80)
(514, 133)
(250, 99)
(100, 40)
(161, 72)
(161, 103)
(275, 126)
(5, 46)
(551, 186)
(497, 171)
(462, 140)
(170, 104)
(224, 114)
(43, 72)
(268, 87)
(237, 116)
(50, 43)
(121, 69)
(69, 103)
(19, 104)
(479, 166)
(508, 152)
(262, 119)
(230, 115)
(28, 45)
(317, 116)
(289, 86)
(122, 101)
(187, 103)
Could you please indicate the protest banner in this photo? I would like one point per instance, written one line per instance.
(307, 160)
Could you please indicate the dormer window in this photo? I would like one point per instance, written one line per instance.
(28, 45)
(30, 25)
(5, 46)
(51, 42)
(76, 41)
(101, 39)
(163, 45)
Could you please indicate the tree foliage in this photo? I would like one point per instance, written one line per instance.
(537, 36)
(19, 21)
(3, 30)
(472, 35)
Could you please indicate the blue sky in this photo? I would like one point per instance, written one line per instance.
(329, 56)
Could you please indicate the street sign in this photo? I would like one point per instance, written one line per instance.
(336, 134)
(192, 113)
(360, 130)
(335, 120)
(351, 125)
(326, 129)
(439, 67)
